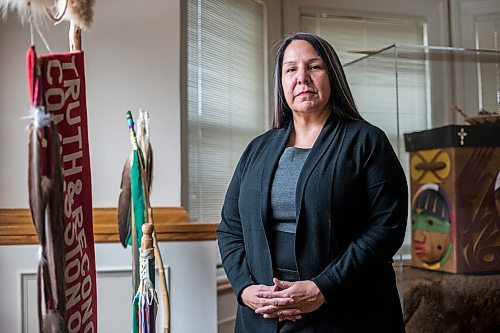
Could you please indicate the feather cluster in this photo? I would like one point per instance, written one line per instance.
(39, 11)
(26, 9)
(81, 12)
(124, 200)
(124, 213)
(145, 145)
(45, 180)
(134, 196)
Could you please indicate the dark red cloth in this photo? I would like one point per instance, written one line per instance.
(61, 87)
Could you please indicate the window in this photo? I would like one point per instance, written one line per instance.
(374, 88)
(488, 38)
(352, 35)
(226, 103)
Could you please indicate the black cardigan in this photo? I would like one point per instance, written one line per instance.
(352, 205)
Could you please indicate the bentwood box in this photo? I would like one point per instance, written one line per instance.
(455, 198)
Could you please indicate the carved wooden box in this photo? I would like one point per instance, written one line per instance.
(455, 198)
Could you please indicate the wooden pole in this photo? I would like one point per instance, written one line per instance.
(75, 37)
(147, 239)
(163, 281)
(158, 258)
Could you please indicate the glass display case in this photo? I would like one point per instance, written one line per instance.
(445, 102)
(404, 89)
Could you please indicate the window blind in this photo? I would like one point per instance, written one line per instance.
(226, 96)
(397, 105)
(488, 38)
(351, 34)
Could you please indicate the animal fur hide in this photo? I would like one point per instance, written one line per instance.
(444, 302)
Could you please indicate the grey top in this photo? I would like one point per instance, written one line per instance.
(284, 188)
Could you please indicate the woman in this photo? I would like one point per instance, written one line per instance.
(316, 208)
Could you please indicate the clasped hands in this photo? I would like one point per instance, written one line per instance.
(283, 300)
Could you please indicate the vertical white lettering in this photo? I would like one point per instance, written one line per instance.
(75, 322)
(86, 287)
(72, 271)
(69, 119)
(74, 169)
(78, 279)
(78, 216)
(89, 328)
(54, 99)
(87, 309)
(70, 65)
(57, 65)
(73, 252)
(69, 234)
(73, 89)
(57, 119)
(82, 239)
(85, 265)
(74, 295)
(74, 138)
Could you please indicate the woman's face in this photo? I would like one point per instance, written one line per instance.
(304, 78)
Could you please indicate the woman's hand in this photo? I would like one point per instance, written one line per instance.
(306, 298)
(250, 298)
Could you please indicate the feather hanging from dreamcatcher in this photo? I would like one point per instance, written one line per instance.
(45, 184)
(41, 11)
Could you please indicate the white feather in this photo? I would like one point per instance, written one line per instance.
(52, 323)
(25, 8)
(40, 257)
(78, 11)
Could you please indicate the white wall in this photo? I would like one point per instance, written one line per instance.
(132, 55)
(132, 61)
(192, 287)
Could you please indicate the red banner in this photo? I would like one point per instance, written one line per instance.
(63, 85)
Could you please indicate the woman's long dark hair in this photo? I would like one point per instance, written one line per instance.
(341, 102)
